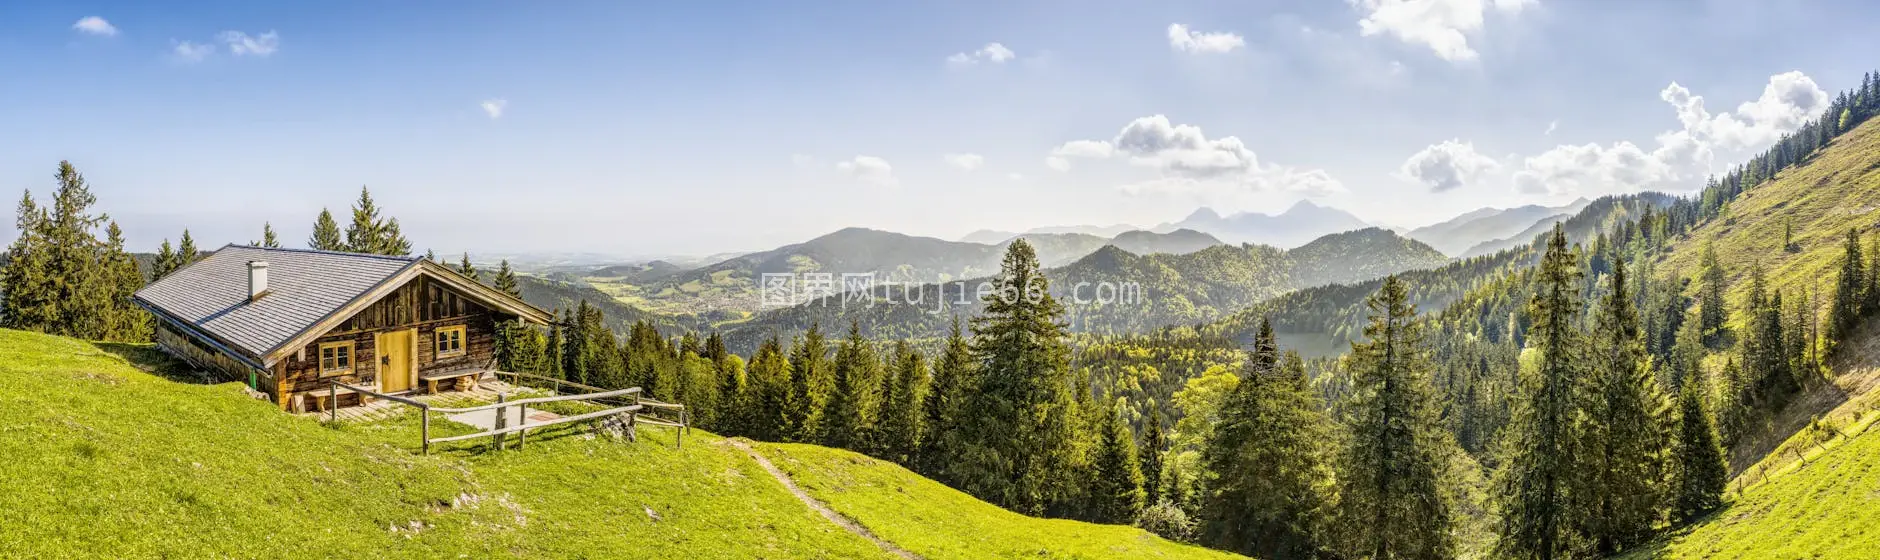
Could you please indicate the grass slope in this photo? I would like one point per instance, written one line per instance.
(114, 452)
(934, 521)
(1829, 508)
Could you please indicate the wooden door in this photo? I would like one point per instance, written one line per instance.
(394, 349)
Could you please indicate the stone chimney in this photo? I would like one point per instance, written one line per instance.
(257, 279)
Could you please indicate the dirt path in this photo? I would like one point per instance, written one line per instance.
(848, 524)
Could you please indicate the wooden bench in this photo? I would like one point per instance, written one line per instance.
(431, 379)
(319, 398)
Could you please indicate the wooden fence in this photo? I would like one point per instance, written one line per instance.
(623, 402)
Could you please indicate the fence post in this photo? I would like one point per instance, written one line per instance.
(425, 428)
(332, 400)
(501, 421)
(522, 431)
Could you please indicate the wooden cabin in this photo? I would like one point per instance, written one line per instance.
(289, 322)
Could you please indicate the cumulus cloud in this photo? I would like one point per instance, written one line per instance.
(95, 25)
(1446, 166)
(191, 52)
(1442, 25)
(1185, 40)
(967, 162)
(869, 169)
(1683, 155)
(242, 44)
(993, 53)
(1190, 162)
(494, 107)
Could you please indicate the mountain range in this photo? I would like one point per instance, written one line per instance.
(1303, 222)
(1457, 235)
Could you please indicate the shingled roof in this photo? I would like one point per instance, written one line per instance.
(305, 288)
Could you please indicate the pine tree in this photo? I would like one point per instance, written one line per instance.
(1538, 477)
(326, 236)
(392, 241)
(1116, 481)
(1849, 293)
(813, 383)
(267, 237)
(853, 407)
(1701, 469)
(770, 381)
(901, 410)
(1624, 443)
(1393, 496)
(469, 270)
(1018, 428)
(952, 381)
(698, 389)
(1269, 458)
(1711, 312)
(186, 253)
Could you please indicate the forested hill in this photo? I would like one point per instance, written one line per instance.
(1337, 311)
(1144, 292)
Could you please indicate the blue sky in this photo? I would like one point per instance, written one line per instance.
(697, 127)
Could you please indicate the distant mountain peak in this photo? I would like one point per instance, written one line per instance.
(1202, 214)
(1304, 204)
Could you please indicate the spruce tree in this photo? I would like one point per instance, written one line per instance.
(125, 320)
(1710, 301)
(267, 237)
(771, 382)
(1116, 481)
(469, 270)
(901, 409)
(369, 233)
(1393, 488)
(505, 280)
(164, 263)
(1268, 455)
(1849, 293)
(186, 253)
(326, 236)
(1624, 441)
(1154, 442)
(735, 396)
(852, 410)
(813, 383)
(1539, 463)
(952, 382)
(1017, 426)
(79, 297)
(1701, 471)
(25, 288)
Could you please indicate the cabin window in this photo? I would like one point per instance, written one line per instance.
(449, 341)
(336, 358)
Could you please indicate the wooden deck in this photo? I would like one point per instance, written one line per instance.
(380, 409)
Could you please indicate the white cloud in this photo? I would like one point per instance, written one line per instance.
(967, 162)
(1185, 40)
(242, 44)
(1551, 126)
(1446, 166)
(1190, 162)
(869, 169)
(95, 25)
(494, 107)
(993, 52)
(1015, 176)
(1442, 25)
(1681, 156)
(191, 52)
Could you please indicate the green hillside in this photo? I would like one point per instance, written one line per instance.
(877, 494)
(117, 453)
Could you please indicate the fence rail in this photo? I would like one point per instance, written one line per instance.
(499, 433)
